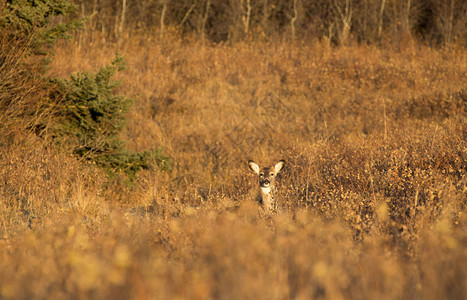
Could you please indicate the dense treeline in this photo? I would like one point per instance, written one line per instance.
(367, 21)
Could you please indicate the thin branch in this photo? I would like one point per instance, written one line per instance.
(164, 9)
(294, 19)
(246, 17)
(205, 19)
(380, 25)
(192, 7)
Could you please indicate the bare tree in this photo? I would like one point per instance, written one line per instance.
(163, 12)
(343, 13)
(294, 18)
(187, 14)
(122, 18)
(246, 16)
(380, 19)
(204, 20)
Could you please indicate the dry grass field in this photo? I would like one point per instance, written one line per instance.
(373, 194)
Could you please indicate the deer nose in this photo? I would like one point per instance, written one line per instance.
(265, 183)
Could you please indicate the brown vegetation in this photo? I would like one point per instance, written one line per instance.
(374, 188)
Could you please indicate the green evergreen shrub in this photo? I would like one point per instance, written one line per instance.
(34, 18)
(83, 112)
(91, 118)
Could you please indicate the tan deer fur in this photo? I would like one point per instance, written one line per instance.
(267, 183)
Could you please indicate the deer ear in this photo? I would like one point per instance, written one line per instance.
(253, 166)
(278, 167)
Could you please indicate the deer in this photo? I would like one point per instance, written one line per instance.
(267, 183)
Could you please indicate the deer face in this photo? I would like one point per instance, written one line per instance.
(267, 175)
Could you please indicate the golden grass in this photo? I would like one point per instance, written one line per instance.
(374, 190)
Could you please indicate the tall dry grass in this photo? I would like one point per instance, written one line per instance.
(373, 194)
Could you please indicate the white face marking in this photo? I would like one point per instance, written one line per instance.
(265, 190)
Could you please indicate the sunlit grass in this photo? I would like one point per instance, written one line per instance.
(374, 188)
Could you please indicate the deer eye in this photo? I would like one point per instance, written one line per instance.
(272, 174)
(261, 174)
